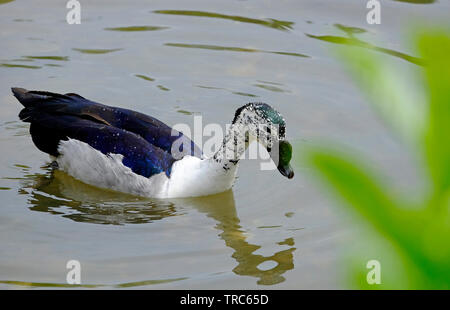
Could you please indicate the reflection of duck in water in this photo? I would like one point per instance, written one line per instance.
(134, 153)
(61, 194)
(58, 192)
(235, 238)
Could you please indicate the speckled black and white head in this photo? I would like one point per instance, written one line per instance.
(266, 125)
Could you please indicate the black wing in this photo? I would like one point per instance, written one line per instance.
(151, 129)
(50, 126)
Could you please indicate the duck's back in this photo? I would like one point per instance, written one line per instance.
(144, 141)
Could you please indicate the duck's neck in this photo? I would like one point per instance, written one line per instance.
(234, 145)
(192, 176)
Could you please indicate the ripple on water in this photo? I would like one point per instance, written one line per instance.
(18, 128)
(12, 64)
(144, 77)
(9, 65)
(162, 88)
(350, 30)
(21, 59)
(56, 58)
(239, 93)
(137, 28)
(350, 40)
(271, 88)
(96, 51)
(184, 112)
(233, 49)
(65, 285)
(267, 82)
(149, 79)
(267, 22)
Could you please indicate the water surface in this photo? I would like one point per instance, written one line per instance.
(173, 60)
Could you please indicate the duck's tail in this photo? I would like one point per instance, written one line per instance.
(30, 98)
(36, 102)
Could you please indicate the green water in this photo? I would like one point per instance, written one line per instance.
(172, 60)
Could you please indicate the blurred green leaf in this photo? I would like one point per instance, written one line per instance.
(420, 233)
(394, 100)
(411, 230)
(436, 48)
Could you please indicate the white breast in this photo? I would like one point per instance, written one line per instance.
(190, 176)
(193, 177)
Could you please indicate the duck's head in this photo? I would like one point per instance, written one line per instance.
(267, 126)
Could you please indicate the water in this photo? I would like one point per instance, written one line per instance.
(171, 60)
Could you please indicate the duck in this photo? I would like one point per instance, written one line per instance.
(127, 151)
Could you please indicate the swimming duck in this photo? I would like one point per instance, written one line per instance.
(130, 152)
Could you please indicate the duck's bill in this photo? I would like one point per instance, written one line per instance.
(286, 170)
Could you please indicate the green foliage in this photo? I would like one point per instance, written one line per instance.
(418, 233)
